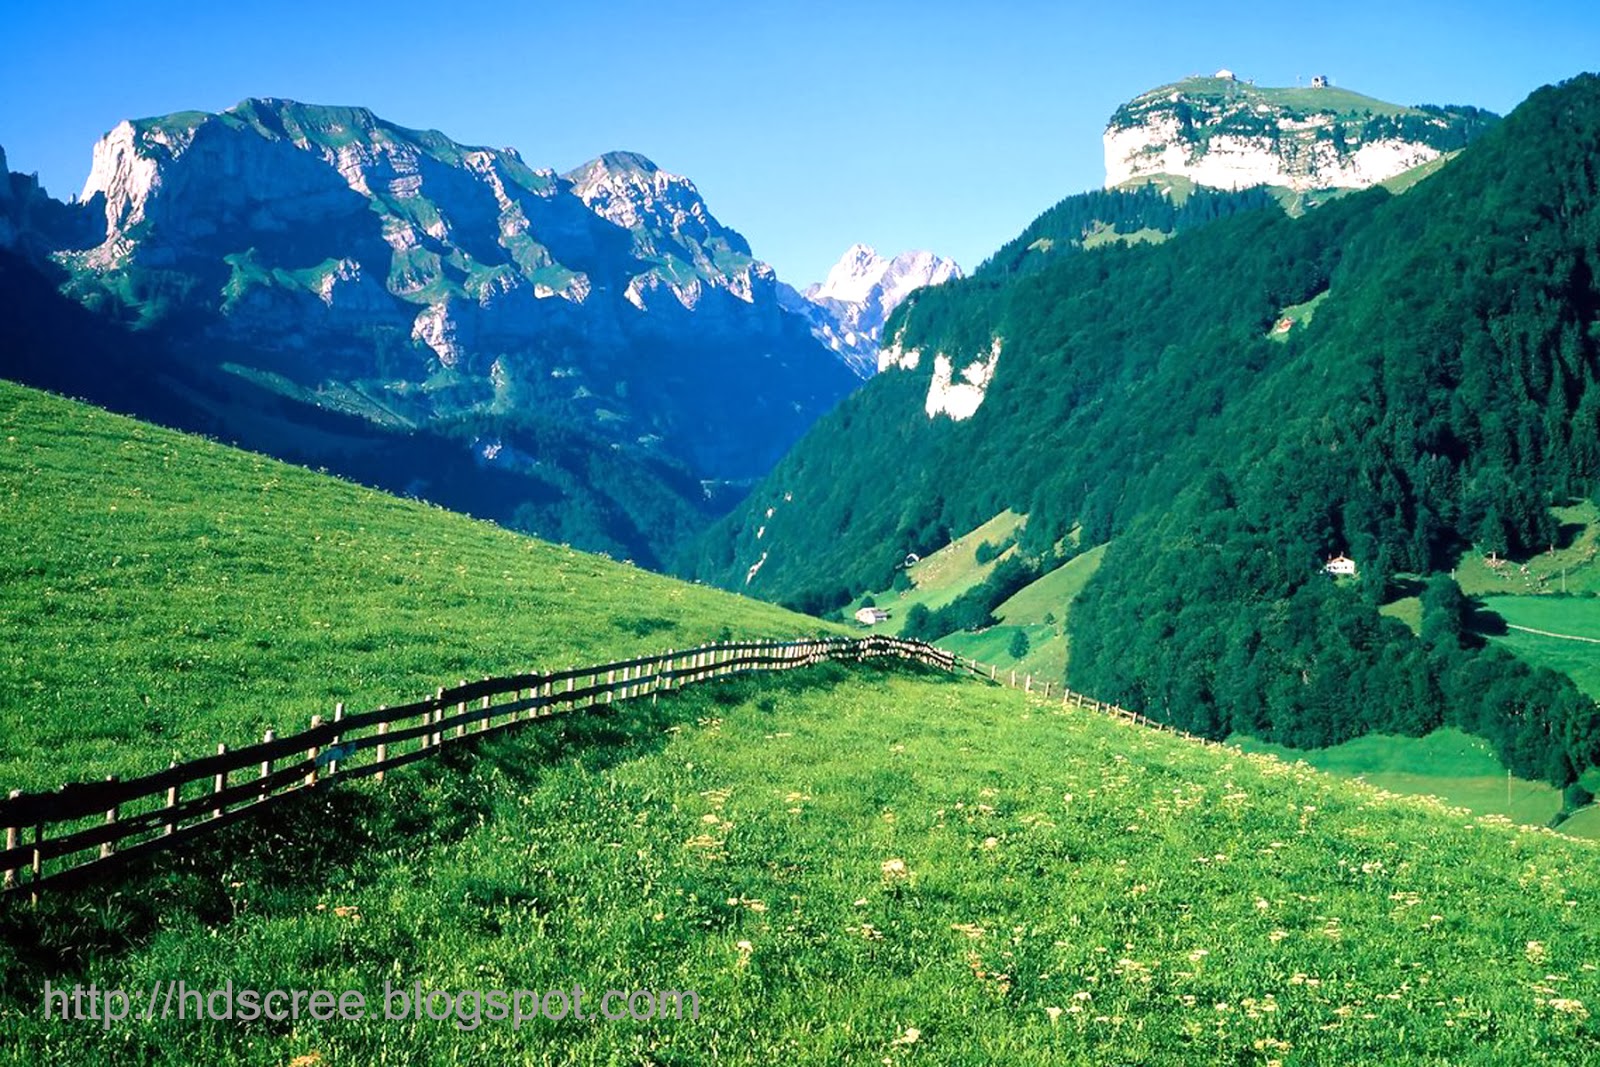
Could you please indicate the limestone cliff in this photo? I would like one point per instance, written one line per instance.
(1230, 134)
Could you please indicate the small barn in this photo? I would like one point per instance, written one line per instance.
(871, 616)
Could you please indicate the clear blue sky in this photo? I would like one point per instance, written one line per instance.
(807, 126)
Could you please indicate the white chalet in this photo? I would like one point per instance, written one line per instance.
(1341, 566)
(871, 616)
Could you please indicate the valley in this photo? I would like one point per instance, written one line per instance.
(1285, 438)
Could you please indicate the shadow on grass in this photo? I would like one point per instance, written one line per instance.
(343, 836)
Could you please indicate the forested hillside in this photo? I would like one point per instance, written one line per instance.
(1445, 396)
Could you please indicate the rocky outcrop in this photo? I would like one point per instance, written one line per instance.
(1229, 134)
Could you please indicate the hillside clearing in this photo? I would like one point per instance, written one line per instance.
(1556, 632)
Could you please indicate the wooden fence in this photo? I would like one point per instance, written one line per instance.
(52, 838)
(1071, 698)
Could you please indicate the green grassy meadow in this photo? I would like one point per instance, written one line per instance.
(853, 867)
(941, 576)
(870, 865)
(1454, 766)
(1026, 610)
(161, 593)
(1571, 616)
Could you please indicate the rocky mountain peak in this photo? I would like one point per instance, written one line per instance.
(849, 307)
(1227, 133)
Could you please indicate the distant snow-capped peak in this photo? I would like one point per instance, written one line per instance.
(848, 309)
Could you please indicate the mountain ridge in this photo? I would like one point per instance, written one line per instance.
(578, 332)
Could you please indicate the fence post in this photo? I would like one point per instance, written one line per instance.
(1028, 684)
(172, 801)
(220, 781)
(338, 737)
(1013, 678)
(427, 718)
(109, 847)
(383, 746)
(38, 863)
(12, 834)
(487, 715)
(461, 709)
(311, 753)
(266, 764)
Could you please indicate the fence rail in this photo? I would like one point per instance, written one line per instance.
(55, 837)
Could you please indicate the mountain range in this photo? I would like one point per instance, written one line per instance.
(590, 355)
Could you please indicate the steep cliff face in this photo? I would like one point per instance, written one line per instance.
(425, 280)
(1229, 134)
(847, 310)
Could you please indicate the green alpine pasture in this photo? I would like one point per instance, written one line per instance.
(857, 867)
(1570, 637)
(1459, 769)
(162, 593)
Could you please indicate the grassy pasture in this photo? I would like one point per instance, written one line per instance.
(160, 592)
(941, 576)
(1571, 616)
(1460, 769)
(858, 868)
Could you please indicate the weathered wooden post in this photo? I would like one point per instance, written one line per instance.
(383, 746)
(13, 833)
(109, 847)
(488, 716)
(172, 802)
(311, 754)
(611, 680)
(38, 863)
(266, 766)
(1028, 684)
(461, 709)
(338, 736)
(220, 781)
(427, 717)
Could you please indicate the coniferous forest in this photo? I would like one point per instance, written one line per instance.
(1444, 397)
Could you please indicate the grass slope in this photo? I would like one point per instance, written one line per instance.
(1571, 616)
(159, 593)
(865, 868)
(941, 576)
(1574, 566)
(1456, 767)
(1026, 610)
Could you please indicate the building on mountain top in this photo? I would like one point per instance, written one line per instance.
(1341, 566)
(1319, 81)
(1226, 75)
